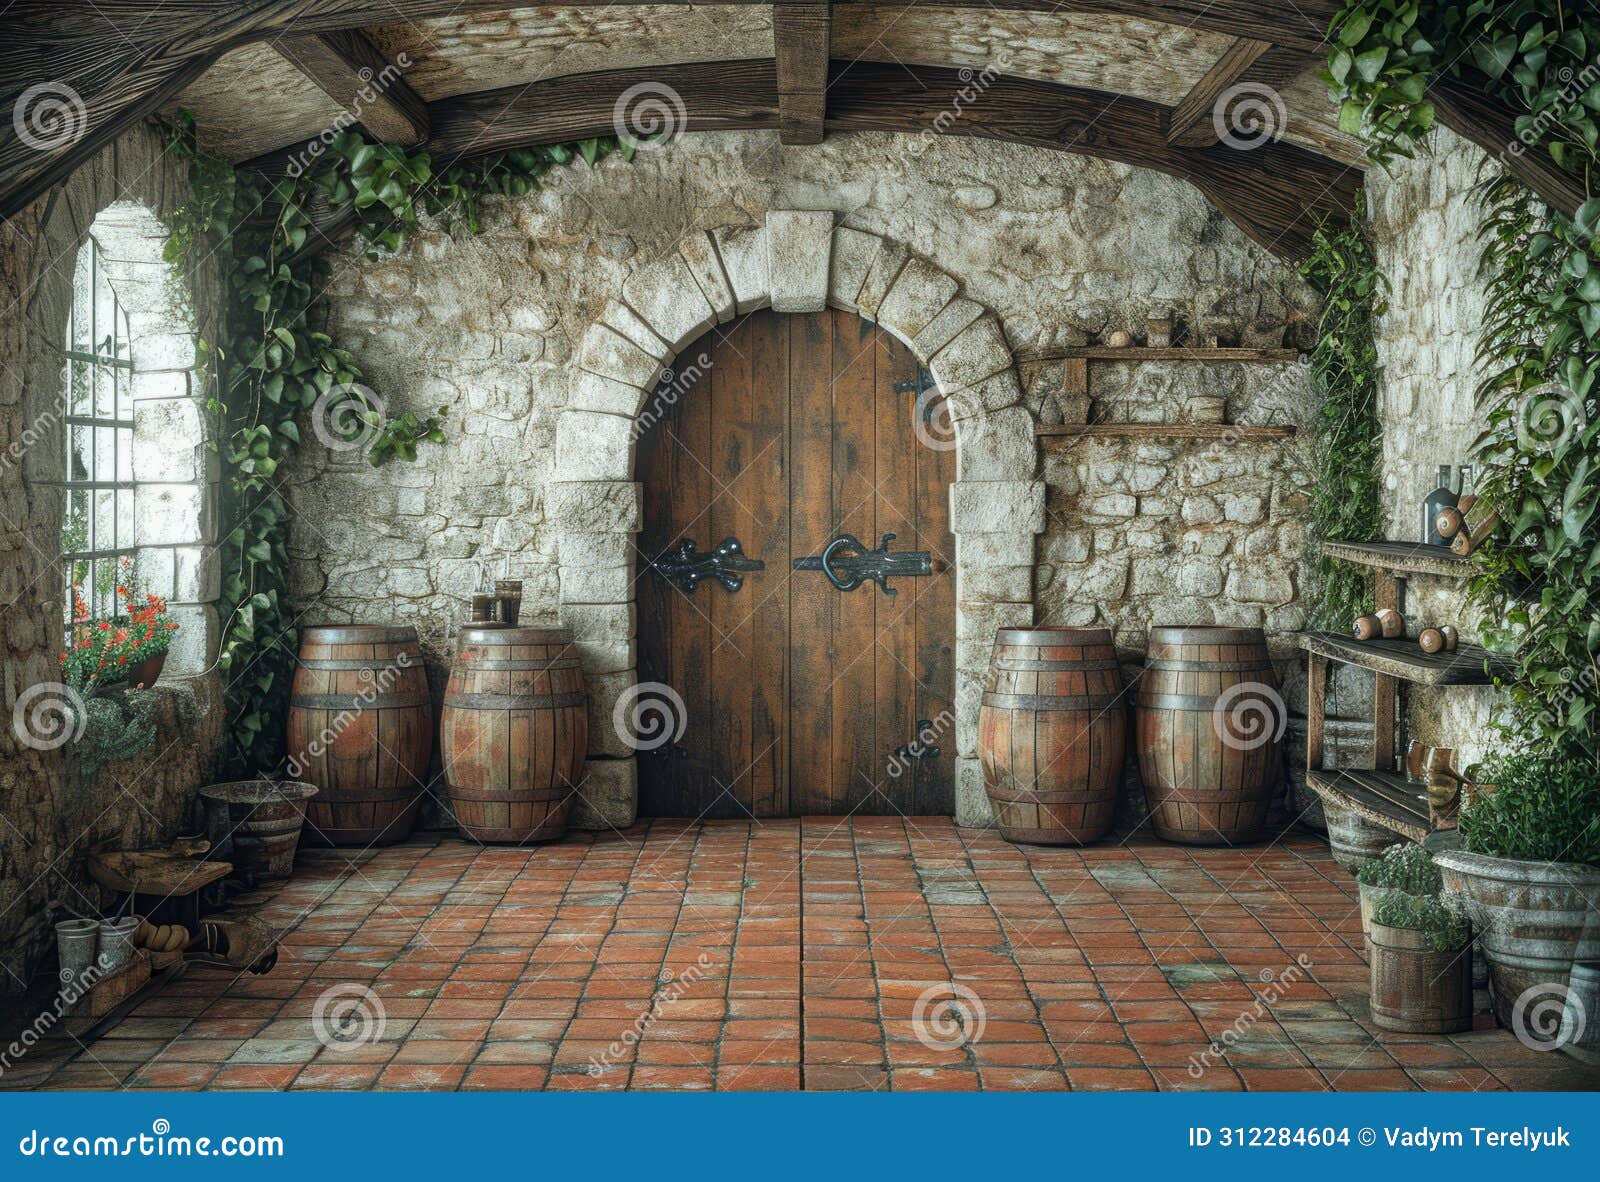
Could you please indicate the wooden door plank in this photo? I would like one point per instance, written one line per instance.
(674, 636)
(895, 465)
(766, 595)
(812, 602)
(856, 763)
(935, 605)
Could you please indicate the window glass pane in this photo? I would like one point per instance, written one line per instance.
(80, 456)
(82, 316)
(105, 453)
(124, 518)
(103, 530)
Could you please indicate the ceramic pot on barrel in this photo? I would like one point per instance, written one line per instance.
(513, 733)
(1209, 723)
(1052, 733)
(361, 729)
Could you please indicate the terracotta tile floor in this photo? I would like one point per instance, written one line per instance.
(820, 954)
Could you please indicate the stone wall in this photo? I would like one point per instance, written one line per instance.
(49, 816)
(1424, 228)
(1059, 249)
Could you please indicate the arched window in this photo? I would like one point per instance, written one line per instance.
(97, 532)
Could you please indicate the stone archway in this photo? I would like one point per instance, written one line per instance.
(797, 262)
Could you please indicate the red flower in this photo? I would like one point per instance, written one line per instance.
(104, 626)
(122, 660)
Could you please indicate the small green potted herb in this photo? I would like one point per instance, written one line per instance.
(1421, 965)
(1530, 872)
(1405, 869)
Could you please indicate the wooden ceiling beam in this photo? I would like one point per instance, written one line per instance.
(801, 37)
(1250, 74)
(1463, 105)
(351, 71)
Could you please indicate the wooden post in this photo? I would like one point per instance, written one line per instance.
(1316, 709)
(1385, 594)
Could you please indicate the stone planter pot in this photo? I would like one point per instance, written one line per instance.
(1580, 1015)
(1416, 988)
(1353, 839)
(1533, 920)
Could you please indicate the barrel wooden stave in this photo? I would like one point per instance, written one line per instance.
(361, 728)
(514, 733)
(1202, 790)
(1052, 734)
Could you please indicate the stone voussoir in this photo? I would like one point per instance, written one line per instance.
(799, 249)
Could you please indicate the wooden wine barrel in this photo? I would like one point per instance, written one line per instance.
(1209, 723)
(1052, 734)
(513, 733)
(361, 729)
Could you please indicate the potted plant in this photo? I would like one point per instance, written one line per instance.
(104, 659)
(1530, 874)
(1421, 965)
(1406, 869)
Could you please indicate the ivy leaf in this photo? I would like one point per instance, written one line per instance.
(1370, 64)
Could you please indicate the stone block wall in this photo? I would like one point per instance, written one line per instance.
(49, 815)
(1019, 250)
(1424, 227)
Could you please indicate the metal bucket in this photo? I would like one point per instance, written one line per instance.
(255, 824)
(77, 941)
(116, 942)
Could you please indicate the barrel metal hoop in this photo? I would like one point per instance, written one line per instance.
(1163, 665)
(1206, 702)
(521, 666)
(356, 634)
(360, 701)
(1008, 665)
(999, 701)
(472, 701)
(412, 661)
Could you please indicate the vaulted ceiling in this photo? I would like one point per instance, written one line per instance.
(1146, 82)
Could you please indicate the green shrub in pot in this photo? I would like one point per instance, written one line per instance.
(1405, 869)
(1444, 925)
(1530, 872)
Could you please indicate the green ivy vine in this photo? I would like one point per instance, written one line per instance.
(1345, 376)
(1537, 580)
(274, 361)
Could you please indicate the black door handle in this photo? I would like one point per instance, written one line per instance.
(684, 566)
(847, 563)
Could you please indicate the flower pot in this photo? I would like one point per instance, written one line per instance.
(76, 943)
(255, 824)
(1533, 920)
(1416, 988)
(116, 942)
(143, 674)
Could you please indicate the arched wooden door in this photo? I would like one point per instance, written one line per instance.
(786, 432)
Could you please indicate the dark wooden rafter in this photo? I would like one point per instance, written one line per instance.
(1249, 71)
(801, 37)
(348, 68)
(1464, 107)
(122, 60)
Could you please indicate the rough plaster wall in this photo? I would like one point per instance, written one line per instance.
(48, 818)
(1424, 226)
(1059, 247)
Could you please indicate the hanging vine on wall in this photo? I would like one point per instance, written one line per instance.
(1537, 581)
(1345, 376)
(273, 362)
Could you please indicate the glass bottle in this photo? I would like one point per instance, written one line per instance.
(1440, 498)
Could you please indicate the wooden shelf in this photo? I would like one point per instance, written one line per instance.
(1062, 434)
(1169, 353)
(1385, 799)
(1402, 558)
(1401, 658)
